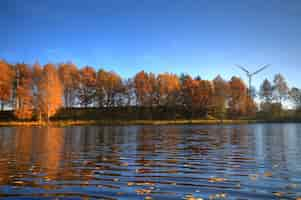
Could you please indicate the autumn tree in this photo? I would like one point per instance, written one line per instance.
(46, 89)
(280, 88)
(169, 87)
(238, 97)
(87, 91)
(251, 107)
(295, 96)
(129, 92)
(202, 95)
(50, 92)
(6, 83)
(266, 91)
(37, 72)
(109, 88)
(187, 83)
(221, 93)
(197, 94)
(69, 77)
(141, 87)
(146, 88)
(154, 90)
(266, 94)
(24, 95)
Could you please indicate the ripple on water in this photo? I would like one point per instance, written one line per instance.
(151, 162)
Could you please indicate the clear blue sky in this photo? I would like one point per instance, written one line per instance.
(205, 37)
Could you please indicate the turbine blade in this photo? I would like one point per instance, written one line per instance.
(261, 69)
(243, 69)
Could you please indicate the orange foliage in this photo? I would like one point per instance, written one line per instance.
(43, 89)
(109, 84)
(146, 88)
(37, 72)
(251, 107)
(51, 148)
(87, 90)
(202, 94)
(238, 97)
(186, 90)
(6, 80)
(69, 77)
(220, 96)
(197, 93)
(24, 97)
(49, 92)
(169, 87)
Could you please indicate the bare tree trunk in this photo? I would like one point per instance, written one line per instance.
(66, 99)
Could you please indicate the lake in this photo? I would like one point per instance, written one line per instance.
(258, 161)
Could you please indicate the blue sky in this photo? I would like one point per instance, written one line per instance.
(200, 37)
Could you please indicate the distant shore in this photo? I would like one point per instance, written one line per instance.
(62, 123)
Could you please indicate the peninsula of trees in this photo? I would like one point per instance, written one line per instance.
(64, 91)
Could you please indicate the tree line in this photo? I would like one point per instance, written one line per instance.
(39, 92)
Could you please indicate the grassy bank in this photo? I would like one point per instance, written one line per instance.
(123, 122)
(143, 116)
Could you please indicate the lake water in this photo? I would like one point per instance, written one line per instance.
(260, 161)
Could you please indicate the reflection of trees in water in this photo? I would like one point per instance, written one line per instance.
(97, 148)
(170, 138)
(280, 144)
(6, 147)
(87, 139)
(145, 141)
(111, 141)
(240, 136)
(153, 139)
(7, 140)
(52, 147)
(146, 147)
(80, 153)
(200, 141)
(157, 147)
(270, 144)
(293, 148)
(216, 149)
(24, 138)
(16, 147)
(238, 157)
(109, 149)
(241, 144)
(34, 150)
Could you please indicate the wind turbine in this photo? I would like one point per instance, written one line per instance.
(250, 75)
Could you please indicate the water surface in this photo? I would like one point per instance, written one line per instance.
(260, 161)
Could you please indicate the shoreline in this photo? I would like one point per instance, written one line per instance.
(65, 123)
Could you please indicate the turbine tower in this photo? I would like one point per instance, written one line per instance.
(250, 75)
